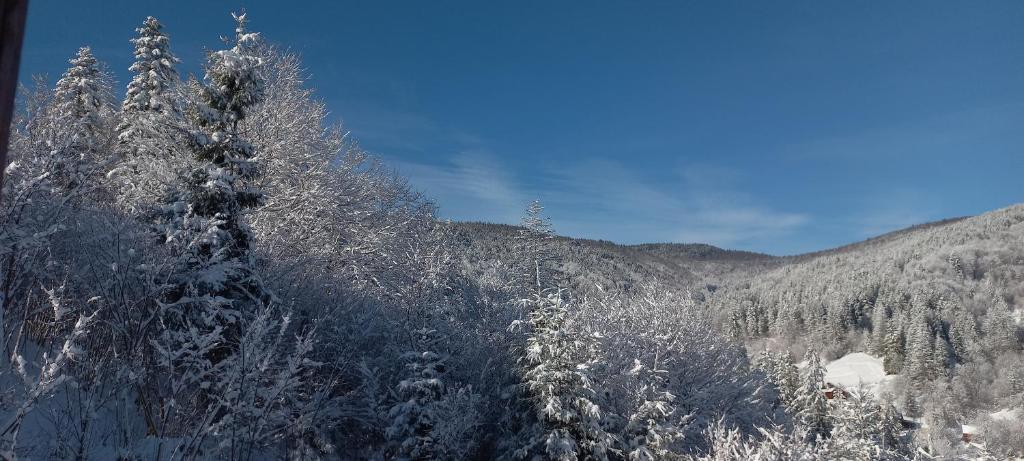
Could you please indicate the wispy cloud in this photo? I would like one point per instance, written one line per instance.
(603, 199)
(740, 227)
(697, 204)
(469, 185)
(587, 197)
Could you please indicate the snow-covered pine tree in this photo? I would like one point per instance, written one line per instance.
(208, 217)
(890, 428)
(788, 379)
(893, 356)
(879, 329)
(783, 374)
(558, 380)
(535, 251)
(649, 431)
(856, 416)
(963, 334)
(919, 361)
(939, 358)
(83, 101)
(413, 419)
(999, 328)
(215, 285)
(150, 90)
(150, 119)
(812, 409)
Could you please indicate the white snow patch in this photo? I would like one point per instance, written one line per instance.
(1007, 414)
(853, 369)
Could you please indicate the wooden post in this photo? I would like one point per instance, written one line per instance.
(12, 31)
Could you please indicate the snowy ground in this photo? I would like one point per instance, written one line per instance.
(858, 368)
(1008, 414)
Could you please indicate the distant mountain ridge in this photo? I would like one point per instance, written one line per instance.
(679, 265)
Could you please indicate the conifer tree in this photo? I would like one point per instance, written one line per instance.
(963, 334)
(82, 94)
(783, 374)
(209, 215)
(214, 286)
(855, 426)
(149, 108)
(812, 407)
(894, 350)
(150, 90)
(890, 428)
(999, 328)
(879, 330)
(535, 250)
(649, 433)
(939, 356)
(558, 379)
(82, 99)
(413, 419)
(788, 377)
(919, 361)
(149, 131)
(861, 417)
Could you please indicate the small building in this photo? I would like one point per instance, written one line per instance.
(968, 432)
(832, 391)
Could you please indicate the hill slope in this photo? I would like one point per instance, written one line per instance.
(941, 304)
(678, 265)
(587, 263)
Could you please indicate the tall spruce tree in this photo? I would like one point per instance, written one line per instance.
(83, 93)
(535, 250)
(413, 419)
(893, 356)
(215, 286)
(783, 373)
(82, 99)
(963, 334)
(811, 405)
(919, 361)
(151, 121)
(650, 432)
(149, 102)
(999, 327)
(558, 378)
(879, 330)
(210, 212)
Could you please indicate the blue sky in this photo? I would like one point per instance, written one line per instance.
(781, 127)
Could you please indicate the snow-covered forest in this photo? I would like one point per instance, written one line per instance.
(207, 268)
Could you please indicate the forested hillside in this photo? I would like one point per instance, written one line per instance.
(589, 264)
(205, 267)
(939, 303)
